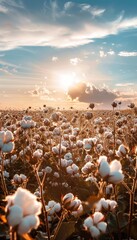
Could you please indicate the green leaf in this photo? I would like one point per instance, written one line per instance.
(66, 229)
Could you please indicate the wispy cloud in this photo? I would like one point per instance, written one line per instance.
(11, 3)
(75, 61)
(111, 52)
(124, 84)
(127, 54)
(3, 9)
(68, 5)
(92, 10)
(33, 31)
(5, 71)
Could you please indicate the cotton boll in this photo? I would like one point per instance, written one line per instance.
(88, 222)
(76, 175)
(75, 168)
(6, 162)
(63, 163)
(78, 212)
(57, 207)
(94, 232)
(115, 177)
(101, 204)
(69, 170)
(104, 203)
(98, 217)
(102, 226)
(56, 174)
(74, 205)
(68, 156)
(6, 174)
(115, 165)
(48, 170)
(112, 204)
(104, 169)
(23, 177)
(15, 215)
(122, 151)
(51, 211)
(64, 184)
(8, 137)
(88, 158)
(69, 162)
(118, 142)
(27, 201)
(102, 159)
(79, 144)
(68, 198)
(8, 147)
(38, 153)
(27, 224)
(51, 204)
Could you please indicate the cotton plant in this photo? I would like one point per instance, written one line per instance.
(6, 141)
(72, 204)
(122, 151)
(52, 208)
(112, 172)
(104, 205)
(22, 211)
(19, 179)
(95, 224)
(87, 168)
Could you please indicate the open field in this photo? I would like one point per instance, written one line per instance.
(81, 168)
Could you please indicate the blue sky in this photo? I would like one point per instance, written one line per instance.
(61, 52)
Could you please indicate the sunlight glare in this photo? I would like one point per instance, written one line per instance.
(67, 80)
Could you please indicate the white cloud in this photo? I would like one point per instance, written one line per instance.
(97, 12)
(105, 54)
(55, 59)
(127, 54)
(128, 23)
(83, 92)
(124, 84)
(40, 91)
(75, 61)
(68, 5)
(3, 9)
(93, 10)
(30, 31)
(5, 71)
(102, 54)
(8, 4)
(111, 52)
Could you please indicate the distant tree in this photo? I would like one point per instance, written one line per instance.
(131, 105)
(114, 105)
(91, 105)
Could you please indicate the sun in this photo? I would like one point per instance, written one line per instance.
(67, 80)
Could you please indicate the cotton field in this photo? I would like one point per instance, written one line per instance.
(68, 174)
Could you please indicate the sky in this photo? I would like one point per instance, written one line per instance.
(67, 53)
